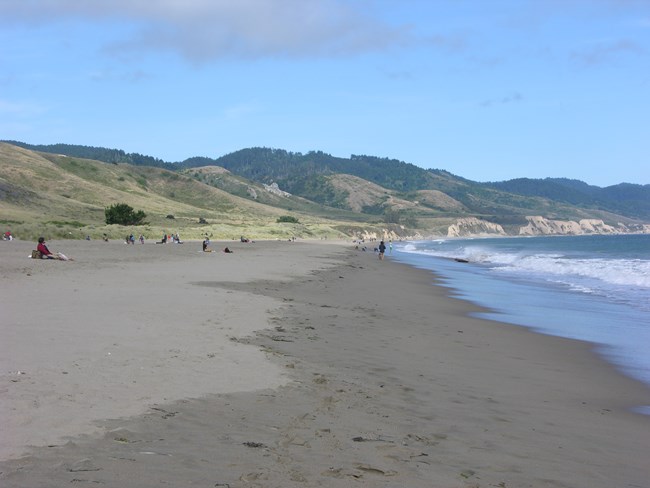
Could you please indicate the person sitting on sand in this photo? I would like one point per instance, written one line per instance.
(227, 251)
(206, 242)
(46, 253)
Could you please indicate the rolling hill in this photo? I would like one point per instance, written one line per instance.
(247, 191)
(61, 196)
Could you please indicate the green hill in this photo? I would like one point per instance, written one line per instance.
(61, 196)
(248, 190)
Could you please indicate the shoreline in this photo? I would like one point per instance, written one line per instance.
(384, 379)
(588, 300)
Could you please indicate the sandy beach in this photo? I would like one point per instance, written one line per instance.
(290, 364)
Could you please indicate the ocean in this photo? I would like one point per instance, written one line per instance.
(593, 288)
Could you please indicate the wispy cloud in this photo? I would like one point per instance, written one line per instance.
(514, 97)
(204, 30)
(607, 52)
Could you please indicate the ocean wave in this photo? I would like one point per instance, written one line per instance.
(543, 265)
(621, 272)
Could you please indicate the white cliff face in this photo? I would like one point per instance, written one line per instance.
(471, 226)
(541, 226)
(594, 226)
(537, 226)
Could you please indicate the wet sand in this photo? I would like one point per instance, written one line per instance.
(290, 364)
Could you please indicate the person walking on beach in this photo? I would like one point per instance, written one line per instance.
(382, 249)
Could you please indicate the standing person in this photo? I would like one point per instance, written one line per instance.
(390, 247)
(46, 253)
(141, 239)
(382, 249)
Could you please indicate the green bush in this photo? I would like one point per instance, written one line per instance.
(123, 214)
(287, 218)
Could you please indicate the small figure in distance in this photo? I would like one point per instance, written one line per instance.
(227, 251)
(206, 243)
(382, 249)
(47, 254)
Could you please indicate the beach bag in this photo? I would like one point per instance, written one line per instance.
(36, 255)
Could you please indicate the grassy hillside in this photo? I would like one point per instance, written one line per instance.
(63, 196)
(223, 179)
(308, 175)
(60, 196)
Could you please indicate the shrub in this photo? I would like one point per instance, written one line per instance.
(123, 214)
(171, 217)
(287, 218)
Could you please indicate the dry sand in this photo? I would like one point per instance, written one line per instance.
(290, 364)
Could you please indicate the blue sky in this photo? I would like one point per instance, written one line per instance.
(486, 89)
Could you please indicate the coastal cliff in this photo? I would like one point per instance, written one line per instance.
(541, 226)
(471, 226)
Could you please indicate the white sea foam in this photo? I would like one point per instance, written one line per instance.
(550, 266)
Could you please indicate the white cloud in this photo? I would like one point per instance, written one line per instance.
(203, 30)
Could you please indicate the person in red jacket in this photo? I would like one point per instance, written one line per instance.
(46, 253)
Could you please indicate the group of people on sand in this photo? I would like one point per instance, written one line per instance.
(175, 238)
(130, 239)
(381, 249)
(42, 251)
(206, 246)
